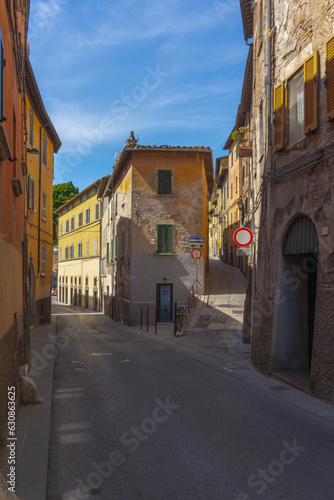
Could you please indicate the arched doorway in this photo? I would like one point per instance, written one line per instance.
(32, 305)
(296, 301)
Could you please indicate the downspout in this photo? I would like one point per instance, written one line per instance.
(269, 123)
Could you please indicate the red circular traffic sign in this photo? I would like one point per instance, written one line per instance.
(196, 253)
(243, 237)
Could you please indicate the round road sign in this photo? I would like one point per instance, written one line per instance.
(196, 253)
(243, 237)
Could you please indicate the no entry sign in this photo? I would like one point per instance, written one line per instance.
(243, 237)
(196, 253)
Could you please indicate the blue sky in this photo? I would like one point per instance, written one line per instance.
(171, 71)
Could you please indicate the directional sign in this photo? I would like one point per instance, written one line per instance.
(196, 253)
(243, 237)
(196, 242)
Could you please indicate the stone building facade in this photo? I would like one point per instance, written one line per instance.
(293, 132)
(157, 198)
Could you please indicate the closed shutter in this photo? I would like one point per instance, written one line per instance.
(311, 77)
(164, 182)
(165, 238)
(279, 109)
(330, 78)
(107, 252)
(2, 65)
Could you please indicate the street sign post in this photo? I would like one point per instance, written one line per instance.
(196, 254)
(196, 242)
(243, 237)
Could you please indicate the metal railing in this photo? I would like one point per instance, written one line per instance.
(182, 311)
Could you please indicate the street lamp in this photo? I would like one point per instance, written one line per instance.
(241, 208)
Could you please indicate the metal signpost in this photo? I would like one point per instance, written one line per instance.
(196, 254)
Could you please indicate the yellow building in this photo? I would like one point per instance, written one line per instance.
(42, 142)
(155, 201)
(79, 226)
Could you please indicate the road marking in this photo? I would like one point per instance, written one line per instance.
(125, 361)
(101, 354)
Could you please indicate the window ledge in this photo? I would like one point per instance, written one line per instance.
(301, 144)
(166, 195)
(164, 254)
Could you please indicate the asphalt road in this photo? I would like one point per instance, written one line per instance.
(135, 417)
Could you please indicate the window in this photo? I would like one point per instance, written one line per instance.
(61, 229)
(231, 218)
(95, 246)
(236, 184)
(2, 63)
(164, 238)
(44, 207)
(71, 252)
(87, 195)
(243, 174)
(296, 104)
(29, 191)
(96, 211)
(43, 261)
(79, 280)
(86, 281)
(87, 216)
(107, 252)
(87, 248)
(80, 219)
(72, 223)
(80, 249)
(31, 128)
(33, 191)
(164, 182)
(246, 207)
(80, 199)
(75, 280)
(231, 189)
(66, 253)
(67, 226)
(246, 167)
(60, 253)
(95, 281)
(44, 156)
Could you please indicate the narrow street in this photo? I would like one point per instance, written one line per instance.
(139, 416)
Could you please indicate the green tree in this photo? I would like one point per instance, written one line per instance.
(61, 193)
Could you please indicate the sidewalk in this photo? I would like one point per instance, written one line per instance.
(33, 421)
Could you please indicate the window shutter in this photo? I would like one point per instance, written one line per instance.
(311, 77)
(169, 239)
(29, 191)
(279, 117)
(160, 234)
(330, 78)
(107, 252)
(2, 62)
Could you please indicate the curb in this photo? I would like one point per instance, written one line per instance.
(33, 424)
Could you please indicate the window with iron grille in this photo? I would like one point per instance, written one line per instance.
(44, 207)
(44, 156)
(43, 260)
(164, 238)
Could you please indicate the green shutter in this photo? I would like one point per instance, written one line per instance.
(169, 239)
(107, 252)
(112, 248)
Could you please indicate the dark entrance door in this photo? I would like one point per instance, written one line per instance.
(164, 302)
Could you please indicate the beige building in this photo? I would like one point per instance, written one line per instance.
(79, 227)
(154, 201)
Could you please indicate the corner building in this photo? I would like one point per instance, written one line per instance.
(154, 201)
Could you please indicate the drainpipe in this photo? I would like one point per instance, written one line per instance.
(39, 201)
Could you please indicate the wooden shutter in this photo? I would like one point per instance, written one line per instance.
(279, 109)
(164, 182)
(2, 66)
(311, 77)
(169, 239)
(330, 78)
